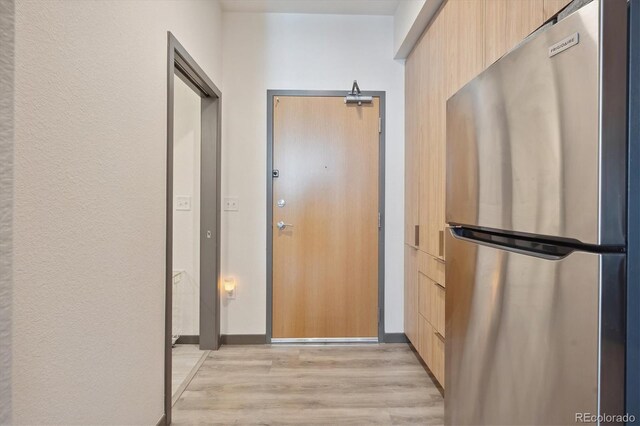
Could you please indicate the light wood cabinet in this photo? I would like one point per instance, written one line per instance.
(411, 293)
(433, 268)
(412, 148)
(425, 341)
(431, 327)
(465, 44)
(424, 296)
(437, 307)
(431, 175)
(463, 38)
(431, 349)
(451, 54)
(507, 23)
(431, 291)
(437, 358)
(424, 308)
(551, 7)
(431, 302)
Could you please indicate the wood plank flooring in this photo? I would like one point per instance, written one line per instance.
(333, 384)
(184, 359)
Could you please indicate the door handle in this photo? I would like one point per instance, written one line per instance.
(281, 225)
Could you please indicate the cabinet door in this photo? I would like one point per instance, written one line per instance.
(411, 294)
(424, 296)
(507, 23)
(437, 357)
(433, 268)
(459, 51)
(412, 147)
(426, 341)
(464, 42)
(432, 147)
(431, 348)
(551, 7)
(431, 300)
(437, 307)
(423, 55)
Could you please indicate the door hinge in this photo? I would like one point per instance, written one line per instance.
(379, 124)
(379, 221)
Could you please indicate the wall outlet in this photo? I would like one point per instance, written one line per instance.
(231, 204)
(183, 202)
(231, 295)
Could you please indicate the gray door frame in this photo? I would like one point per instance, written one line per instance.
(632, 399)
(7, 41)
(182, 65)
(381, 198)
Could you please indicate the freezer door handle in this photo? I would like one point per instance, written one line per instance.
(537, 247)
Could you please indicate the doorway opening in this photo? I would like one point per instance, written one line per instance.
(325, 217)
(192, 314)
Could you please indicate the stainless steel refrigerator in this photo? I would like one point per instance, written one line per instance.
(536, 207)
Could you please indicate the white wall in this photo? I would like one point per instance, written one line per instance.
(410, 20)
(293, 51)
(403, 19)
(186, 223)
(89, 230)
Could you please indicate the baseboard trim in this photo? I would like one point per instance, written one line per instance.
(261, 339)
(188, 340)
(325, 340)
(243, 339)
(395, 338)
(162, 421)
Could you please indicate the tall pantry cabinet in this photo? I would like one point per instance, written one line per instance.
(463, 38)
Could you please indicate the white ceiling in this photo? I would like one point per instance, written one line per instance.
(337, 7)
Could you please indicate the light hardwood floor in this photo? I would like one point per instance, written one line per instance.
(184, 359)
(338, 384)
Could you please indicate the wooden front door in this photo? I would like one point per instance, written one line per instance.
(325, 218)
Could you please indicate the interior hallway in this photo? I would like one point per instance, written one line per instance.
(329, 384)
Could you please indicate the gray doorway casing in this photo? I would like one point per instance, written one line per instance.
(7, 31)
(381, 170)
(181, 64)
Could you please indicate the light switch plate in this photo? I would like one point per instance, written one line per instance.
(231, 204)
(183, 202)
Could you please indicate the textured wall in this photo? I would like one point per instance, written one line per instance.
(89, 229)
(291, 51)
(6, 203)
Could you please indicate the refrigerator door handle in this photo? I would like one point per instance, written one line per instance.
(526, 246)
